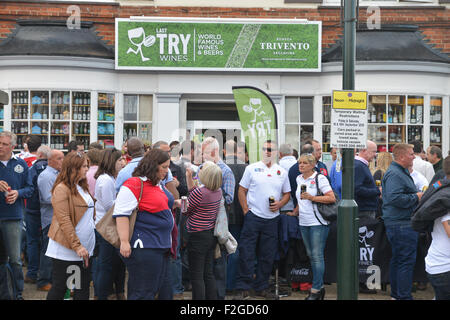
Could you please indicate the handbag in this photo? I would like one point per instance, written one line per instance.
(221, 227)
(107, 228)
(221, 231)
(328, 211)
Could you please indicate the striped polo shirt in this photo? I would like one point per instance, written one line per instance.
(203, 208)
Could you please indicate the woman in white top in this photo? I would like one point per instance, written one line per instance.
(313, 227)
(71, 233)
(110, 268)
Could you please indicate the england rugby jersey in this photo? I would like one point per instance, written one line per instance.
(154, 222)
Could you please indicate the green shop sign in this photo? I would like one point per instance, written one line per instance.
(227, 45)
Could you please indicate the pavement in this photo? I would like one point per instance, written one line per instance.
(31, 293)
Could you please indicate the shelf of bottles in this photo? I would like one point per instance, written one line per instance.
(19, 115)
(394, 119)
(105, 117)
(436, 121)
(60, 120)
(326, 127)
(81, 116)
(49, 115)
(138, 110)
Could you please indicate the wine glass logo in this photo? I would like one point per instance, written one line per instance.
(254, 106)
(138, 38)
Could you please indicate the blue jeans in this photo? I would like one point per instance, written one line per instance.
(403, 240)
(110, 270)
(10, 236)
(259, 237)
(33, 233)
(441, 285)
(45, 263)
(315, 239)
(148, 274)
(233, 259)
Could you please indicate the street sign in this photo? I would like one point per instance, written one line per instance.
(349, 119)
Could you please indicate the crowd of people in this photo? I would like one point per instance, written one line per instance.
(178, 191)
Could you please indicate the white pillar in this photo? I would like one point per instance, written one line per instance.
(166, 117)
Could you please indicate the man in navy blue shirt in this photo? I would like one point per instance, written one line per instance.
(400, 197)
(15, 185)
(366, 193)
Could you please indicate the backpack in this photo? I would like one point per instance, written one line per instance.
(423, 216)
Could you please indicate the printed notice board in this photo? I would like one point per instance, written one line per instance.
(349, 119)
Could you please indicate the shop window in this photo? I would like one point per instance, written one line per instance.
(60, 120)
(436, 121)
(55, 116)
(81, 116)
(138, 116)
(105, 117)
(298, 121)
(395, 119)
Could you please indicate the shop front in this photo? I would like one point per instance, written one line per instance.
(93, 93)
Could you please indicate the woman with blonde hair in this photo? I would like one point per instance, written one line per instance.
(384, 160)
(72, 237)
(313, 227)
(204, 202)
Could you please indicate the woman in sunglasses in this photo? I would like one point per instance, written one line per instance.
(72, 237)
(313, 227)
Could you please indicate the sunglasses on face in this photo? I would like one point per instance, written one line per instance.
(269, 149)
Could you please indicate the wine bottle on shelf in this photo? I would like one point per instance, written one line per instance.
(438, 135)
(390, 114)
(373, 117)
(432, 114)
(413, 114)
(438, 114)
(395, 118)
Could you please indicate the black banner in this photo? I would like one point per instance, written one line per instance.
(374, 253)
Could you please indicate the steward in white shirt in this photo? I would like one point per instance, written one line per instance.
(261, 180)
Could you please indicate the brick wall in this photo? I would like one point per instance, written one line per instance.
(433, 22)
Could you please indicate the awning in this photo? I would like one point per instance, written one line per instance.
(54, 38)
(389, 43)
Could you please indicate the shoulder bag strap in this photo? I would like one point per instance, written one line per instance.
(319, 193)
(142, 190)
